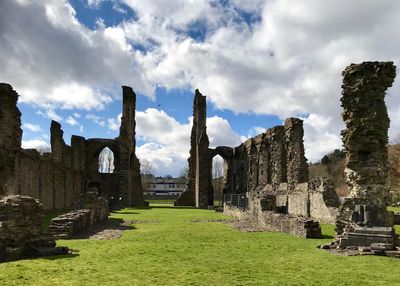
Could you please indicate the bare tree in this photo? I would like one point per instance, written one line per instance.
(146, 167)
(184, 174)
(147, 170)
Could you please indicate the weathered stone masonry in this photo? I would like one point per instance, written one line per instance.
(21, 232)
(271, 165)
(200, 161)
(61, 178)
(363, 220)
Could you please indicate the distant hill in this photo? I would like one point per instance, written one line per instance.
(332, 166)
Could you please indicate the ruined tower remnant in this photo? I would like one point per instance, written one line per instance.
(366, 136)
(200, 161)
(203, 160)
(129, 173)
(363, 219)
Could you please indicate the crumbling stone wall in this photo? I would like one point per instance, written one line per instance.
(10, 137)
(273, 157)
(267, 220)
(270, 164)
(95, 211)
(60, 179)
(51, 179)
(21, 232)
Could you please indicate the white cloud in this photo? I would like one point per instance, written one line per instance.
(32, 127)
(321, 138)
(77, 115)
(96, 119)
(37, 144)
(50, 114)
(220, 133)
(71, 121)
(256, 130)
(118, 8)
(81, 128)
(114, 123)
(287, 63)
(94, 3)
(81, 68)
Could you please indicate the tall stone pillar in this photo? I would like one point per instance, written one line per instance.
(297, 168)
(366, 135)
(363, 220)
(130, 181)
(200, 161)
(10, 138)
(203, 160)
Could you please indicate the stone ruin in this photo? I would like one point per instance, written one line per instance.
(363, 225)
(60, 179)
(63, 179)
(269, 169)
(21, 233)
(199, 176)
(66, 225)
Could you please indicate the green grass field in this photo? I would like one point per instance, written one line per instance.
(171, 249)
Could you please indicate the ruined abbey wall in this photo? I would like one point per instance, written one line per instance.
(272, 170)
(270, 166)
(60, 179)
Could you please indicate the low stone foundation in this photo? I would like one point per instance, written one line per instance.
(21, 232)
(271, 221)
(66, 225)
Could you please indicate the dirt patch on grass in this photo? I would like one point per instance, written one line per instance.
(111, 229)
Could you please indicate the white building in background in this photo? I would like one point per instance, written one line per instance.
(163, 186)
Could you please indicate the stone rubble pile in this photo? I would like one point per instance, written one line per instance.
(21, 232)
(66, 225)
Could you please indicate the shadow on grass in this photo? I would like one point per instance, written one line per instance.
(171, 207)
(130, 210)
(56, 257)
(327, 236)
(124, 212)
(49, 257)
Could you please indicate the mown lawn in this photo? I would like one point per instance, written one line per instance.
(171, 249)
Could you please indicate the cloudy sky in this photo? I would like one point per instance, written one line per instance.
(257, 61)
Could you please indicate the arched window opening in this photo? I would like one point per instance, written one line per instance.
(218, 178)
(106, 161)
